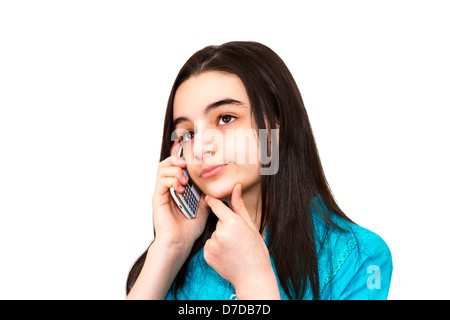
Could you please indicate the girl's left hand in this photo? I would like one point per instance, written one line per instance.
(237, 251)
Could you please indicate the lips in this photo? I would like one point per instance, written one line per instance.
(211, 171)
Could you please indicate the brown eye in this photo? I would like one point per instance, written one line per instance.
(226, 119)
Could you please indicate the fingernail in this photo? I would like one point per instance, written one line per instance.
(239, 190)
(183, 178)
(206, 198)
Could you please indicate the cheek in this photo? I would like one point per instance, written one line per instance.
(241, 152)
(242, 149)
(188, 152)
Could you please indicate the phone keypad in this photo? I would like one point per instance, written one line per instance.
(190, 199)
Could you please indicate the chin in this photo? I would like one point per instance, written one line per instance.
(218, 189)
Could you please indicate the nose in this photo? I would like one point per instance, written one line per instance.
(209, 151)
(205, 146)
(204, 151)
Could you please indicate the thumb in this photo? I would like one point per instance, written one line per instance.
(238, 206)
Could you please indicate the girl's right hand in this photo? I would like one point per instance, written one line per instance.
(171, 226)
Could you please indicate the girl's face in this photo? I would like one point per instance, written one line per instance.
(212, 118)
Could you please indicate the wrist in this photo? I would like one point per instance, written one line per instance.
(171, 249)
(259, 286)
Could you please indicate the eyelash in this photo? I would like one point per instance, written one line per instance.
(226, 115)
(220, 117)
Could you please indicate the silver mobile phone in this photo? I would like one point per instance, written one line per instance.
(189, 199)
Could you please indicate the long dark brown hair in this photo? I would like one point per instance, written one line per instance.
(287, 195)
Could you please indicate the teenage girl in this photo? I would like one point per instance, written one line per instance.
(264, 230)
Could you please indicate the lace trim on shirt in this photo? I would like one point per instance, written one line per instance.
(339, 262)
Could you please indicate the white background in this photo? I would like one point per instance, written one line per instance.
(83, 92)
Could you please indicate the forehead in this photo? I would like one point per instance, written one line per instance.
(198, 91)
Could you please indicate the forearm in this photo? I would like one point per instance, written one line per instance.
(160, 268)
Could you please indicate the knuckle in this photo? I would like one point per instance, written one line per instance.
(175, 160)
(166, 182)
(180, 172)
(233, 221)
(220, 236)
(161, 171)
(175, 182)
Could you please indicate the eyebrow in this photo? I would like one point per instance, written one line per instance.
(209, 107)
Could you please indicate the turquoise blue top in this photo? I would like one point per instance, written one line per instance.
(352, 265)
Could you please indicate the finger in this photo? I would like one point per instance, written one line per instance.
(206, 250)
(218, 208)
(218, 224)
(173, 171)
(175, 148)
(168, 182)
(202, 205)
(238, 206)
(172, 161)
(174, 151)
(203, 209)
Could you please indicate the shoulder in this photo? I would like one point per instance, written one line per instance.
(336, 231)
(370, 244)
(353, 261)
